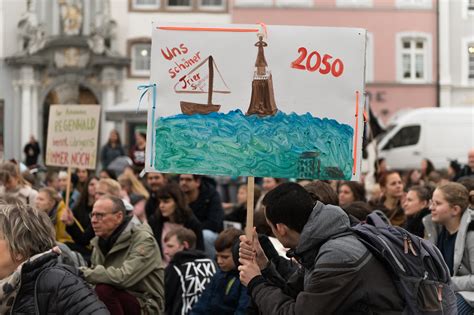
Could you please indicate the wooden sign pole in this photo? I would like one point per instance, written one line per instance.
(250, 206)
(68, 187)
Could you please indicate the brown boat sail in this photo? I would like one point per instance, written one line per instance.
(262, 101)
(190, 108)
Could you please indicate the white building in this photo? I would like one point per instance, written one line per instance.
(81, 52)
(456, 51)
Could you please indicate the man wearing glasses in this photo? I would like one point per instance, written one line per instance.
(127, 268)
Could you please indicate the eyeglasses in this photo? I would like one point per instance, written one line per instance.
(100, 215)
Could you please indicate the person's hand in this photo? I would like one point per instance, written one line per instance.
(252, 250)
(67, 217)
(56, 250)
(248, 270)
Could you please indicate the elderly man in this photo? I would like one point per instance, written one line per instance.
(82, 235)
(127, 267)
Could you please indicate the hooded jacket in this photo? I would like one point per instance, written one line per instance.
(133, 263)
(224, 295)
(463, 262)
(186, 277)
(338, 274)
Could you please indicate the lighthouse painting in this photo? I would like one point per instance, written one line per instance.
(241, 100)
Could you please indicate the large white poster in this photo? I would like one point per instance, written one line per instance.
(246, 100)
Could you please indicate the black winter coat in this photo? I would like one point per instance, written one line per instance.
(208, 207)
(50, 288)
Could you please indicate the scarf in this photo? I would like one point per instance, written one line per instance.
(10, 286)
(105, 245)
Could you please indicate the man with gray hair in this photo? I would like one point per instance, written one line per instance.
(82, 235)
(127, 267)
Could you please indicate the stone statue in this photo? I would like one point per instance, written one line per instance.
(30, 31)
(71, 16)
(103, 31)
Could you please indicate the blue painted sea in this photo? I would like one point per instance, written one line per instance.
(283, 145)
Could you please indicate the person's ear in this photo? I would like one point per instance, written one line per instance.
(282, 229)
(186, 245)
(457, 211)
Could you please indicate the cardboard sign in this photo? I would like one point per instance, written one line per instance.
(240, 100)
(72, 136)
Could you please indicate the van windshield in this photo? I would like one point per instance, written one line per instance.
(406, 136)
(381, 136)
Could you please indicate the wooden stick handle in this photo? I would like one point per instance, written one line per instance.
(68, 187)
(250, 206)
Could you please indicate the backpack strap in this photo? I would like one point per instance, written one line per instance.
(375, 220)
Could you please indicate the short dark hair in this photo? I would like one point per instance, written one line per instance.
(117, 204)
(290, 204)
(423, 193)
(110, 173)
(467, 181)
(227, 239)
(321, 191)
(358, 209)
(182, 235)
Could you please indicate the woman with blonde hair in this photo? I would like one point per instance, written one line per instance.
(12, 183)
(451, 227)
(134, 192)
(31, 279)
(132, 185)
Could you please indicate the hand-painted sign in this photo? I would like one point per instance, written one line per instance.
(72, 136)
(242, 101)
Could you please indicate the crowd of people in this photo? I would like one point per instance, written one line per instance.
(174, 243)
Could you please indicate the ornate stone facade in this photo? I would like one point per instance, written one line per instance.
(66, 62)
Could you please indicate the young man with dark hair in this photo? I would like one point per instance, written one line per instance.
(188, 272)
(154, 182)
(206, 204)
(337, 273)
(224, 295)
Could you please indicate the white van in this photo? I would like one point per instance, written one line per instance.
(438, 134)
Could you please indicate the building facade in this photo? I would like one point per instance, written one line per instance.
(81, 52)
(401, 62)
(456, 51)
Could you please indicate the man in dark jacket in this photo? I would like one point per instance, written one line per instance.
(206, 205)
(337, 274)
(188, 272)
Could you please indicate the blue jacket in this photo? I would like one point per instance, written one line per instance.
(223, 295)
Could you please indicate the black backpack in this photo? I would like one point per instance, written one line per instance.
(416, 265)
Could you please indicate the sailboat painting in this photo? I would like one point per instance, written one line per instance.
(197, 81)
(247, 100)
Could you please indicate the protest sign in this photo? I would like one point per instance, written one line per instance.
(72, 136)
(243, 100)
